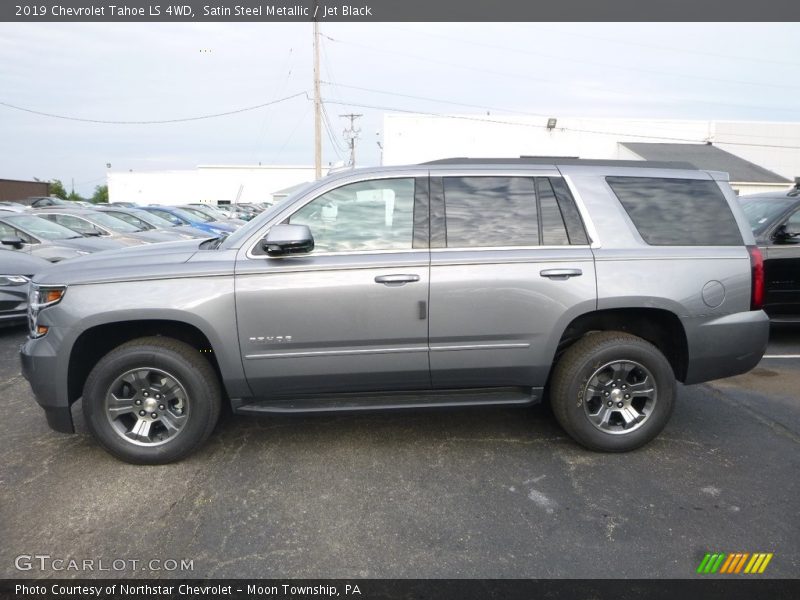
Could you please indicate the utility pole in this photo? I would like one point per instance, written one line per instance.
(317, 105)
(351, 135)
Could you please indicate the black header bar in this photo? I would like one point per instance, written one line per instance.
(194, 11)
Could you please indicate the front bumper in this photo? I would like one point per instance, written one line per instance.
(725, 346)
(40, 366)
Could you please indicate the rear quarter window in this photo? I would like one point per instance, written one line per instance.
(677, 212)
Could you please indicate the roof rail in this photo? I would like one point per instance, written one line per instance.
(561, 160)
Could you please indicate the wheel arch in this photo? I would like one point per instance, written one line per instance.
(660, 327)
(97, 341)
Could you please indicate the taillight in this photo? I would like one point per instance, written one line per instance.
(757, 277)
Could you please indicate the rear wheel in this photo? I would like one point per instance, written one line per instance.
(152, 400)
(612, 391)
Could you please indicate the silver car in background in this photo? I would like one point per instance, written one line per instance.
(34, 235)
(16, 271)
(90, 222)
(147, 221)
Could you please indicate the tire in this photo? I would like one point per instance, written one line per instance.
(152, 400)
(616, 367)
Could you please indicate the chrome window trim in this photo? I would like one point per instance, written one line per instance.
(506, 248)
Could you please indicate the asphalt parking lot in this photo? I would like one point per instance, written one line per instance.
(494, 493)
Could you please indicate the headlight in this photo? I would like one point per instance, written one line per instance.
(13, 280)
(40, 297)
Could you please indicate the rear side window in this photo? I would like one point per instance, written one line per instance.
(490, 211)
(677, 212)
(493, 211)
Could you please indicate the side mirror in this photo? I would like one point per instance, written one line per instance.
(284, 240)
(14, 242)
(783, 236)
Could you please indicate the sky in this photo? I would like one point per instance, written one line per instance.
(160, 72)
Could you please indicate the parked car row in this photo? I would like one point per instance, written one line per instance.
(56, 229)
(52, 230)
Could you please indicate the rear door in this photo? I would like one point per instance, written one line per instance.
(510, 267)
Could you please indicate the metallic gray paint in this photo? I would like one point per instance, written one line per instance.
(492, 318)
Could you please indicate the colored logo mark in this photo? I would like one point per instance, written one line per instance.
(734, 563)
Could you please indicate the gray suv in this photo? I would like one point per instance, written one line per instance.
(593, 284)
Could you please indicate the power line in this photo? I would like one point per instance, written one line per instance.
(573, 129)
(482, 106)
(351, 135)
(560, 83)
(561, 57)
(154, 122)
(440, 101)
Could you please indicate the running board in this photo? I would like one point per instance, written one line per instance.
(516, 396)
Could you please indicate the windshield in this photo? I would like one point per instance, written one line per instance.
(178, 213)
(42, 228)
(113, 223)
(140, 224)
(151, 218)
(761, 212)
(245, 231)
(210, 211)
(198, 214)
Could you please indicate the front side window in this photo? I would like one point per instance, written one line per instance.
(364, 216)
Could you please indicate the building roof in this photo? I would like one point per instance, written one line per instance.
(708, 158)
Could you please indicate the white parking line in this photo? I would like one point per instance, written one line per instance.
(781, 356)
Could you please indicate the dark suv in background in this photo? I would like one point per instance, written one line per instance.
(775, 219)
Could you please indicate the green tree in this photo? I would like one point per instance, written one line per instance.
(100, 194)
(74, 196)
(57, 189)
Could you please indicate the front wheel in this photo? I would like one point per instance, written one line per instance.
(612, 391)
(152, 400)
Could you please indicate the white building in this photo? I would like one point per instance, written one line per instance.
(213, 184)
(775, 147)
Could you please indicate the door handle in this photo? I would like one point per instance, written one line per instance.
(396, 279)
(560, 273)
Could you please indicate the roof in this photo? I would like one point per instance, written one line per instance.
(708, 158)
(563, 160)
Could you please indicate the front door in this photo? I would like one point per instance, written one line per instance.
(352, 314)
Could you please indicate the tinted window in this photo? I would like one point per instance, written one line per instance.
(490, 211)
(677, 212)
(363, 216)
(572, 218)
(554, 231)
